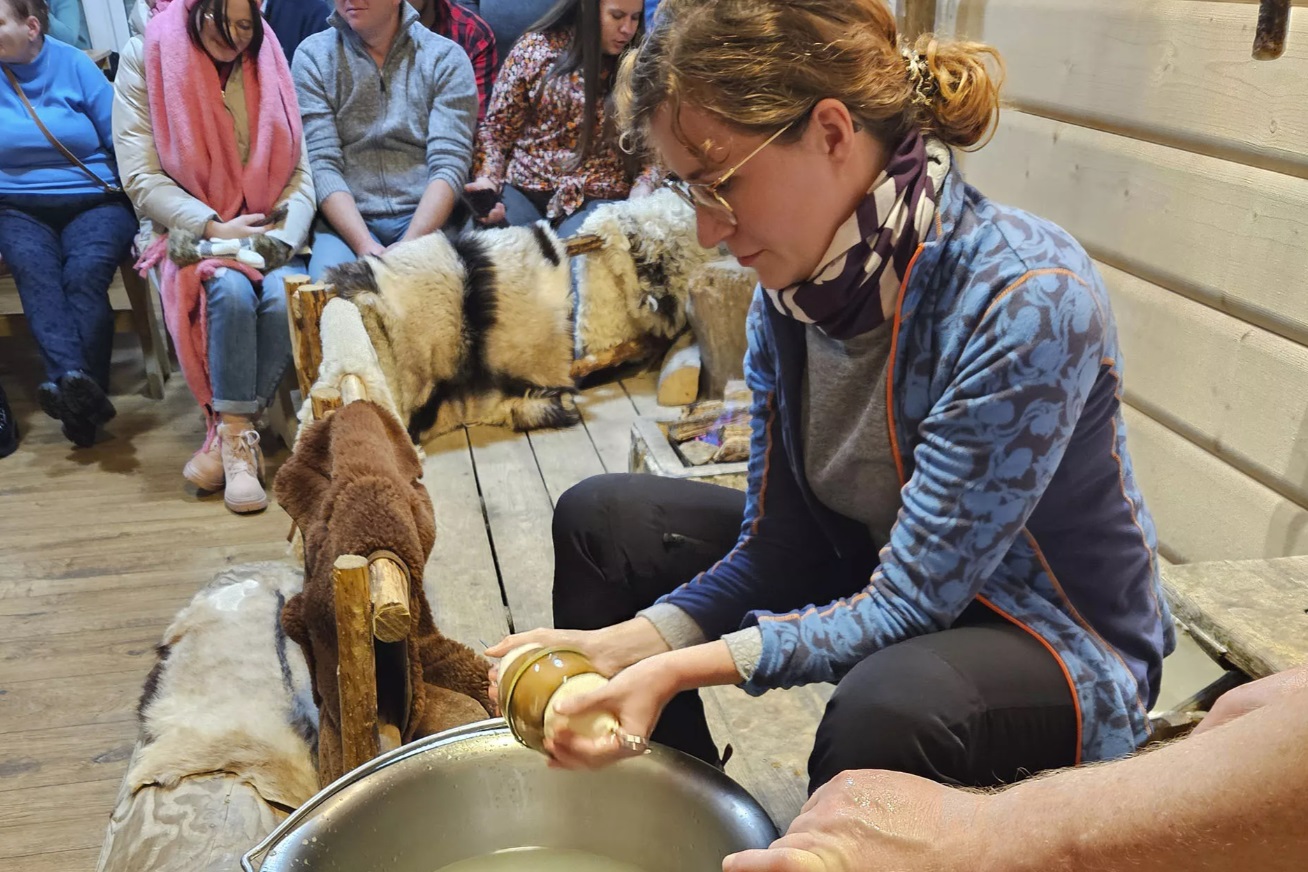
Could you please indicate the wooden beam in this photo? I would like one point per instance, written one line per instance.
(626, 352)
(357, 674)
(388, 585)
(679, 378)
(291, 287)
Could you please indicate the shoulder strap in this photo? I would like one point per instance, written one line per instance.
(72, 158)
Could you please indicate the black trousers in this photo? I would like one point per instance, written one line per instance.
(980, 704)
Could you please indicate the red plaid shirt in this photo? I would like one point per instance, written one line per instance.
(470, 31)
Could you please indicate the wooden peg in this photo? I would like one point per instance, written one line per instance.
(291, 287)
(310, 300)
(1273, 25)
(353, 388)
(357, 675)
(389, 589)
(325, 401)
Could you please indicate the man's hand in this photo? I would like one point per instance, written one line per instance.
(875, 821)
(1250, 697)
(370, 246)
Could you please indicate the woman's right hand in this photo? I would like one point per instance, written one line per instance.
(611, 649)
(238, 228)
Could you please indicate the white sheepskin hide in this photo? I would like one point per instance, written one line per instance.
(637, 285)
(230, 693)
(347, 350)
(478, 331)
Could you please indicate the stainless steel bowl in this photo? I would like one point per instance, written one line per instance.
(475, 790)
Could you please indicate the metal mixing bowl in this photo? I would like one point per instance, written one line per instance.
(475, 790)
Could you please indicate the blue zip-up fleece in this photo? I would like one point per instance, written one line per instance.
(1004, 407)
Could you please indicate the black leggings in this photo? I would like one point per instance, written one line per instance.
(980, 704)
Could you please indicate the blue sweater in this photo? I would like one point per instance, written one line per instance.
(1005, 423)
(74, 100)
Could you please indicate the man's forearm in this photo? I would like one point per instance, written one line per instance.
(433, 209)
(342, 212)
(1232, 799)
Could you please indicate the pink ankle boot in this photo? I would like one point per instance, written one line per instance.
(242, 468)
(205, 468)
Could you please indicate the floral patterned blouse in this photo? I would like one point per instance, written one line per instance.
(535, 158)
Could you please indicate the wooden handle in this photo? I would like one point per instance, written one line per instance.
(1273, 25)
(357, 676)
(388, 585)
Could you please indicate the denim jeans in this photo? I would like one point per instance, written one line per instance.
(249, 339)
(519, 210)
(63, 251)
(329, 249)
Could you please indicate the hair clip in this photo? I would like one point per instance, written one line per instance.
(925, 86)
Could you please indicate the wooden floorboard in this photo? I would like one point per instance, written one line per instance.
(518, 511)
(460, 579)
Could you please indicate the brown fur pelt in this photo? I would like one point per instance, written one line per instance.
(352, 488)
(478, 331)
(229, 694)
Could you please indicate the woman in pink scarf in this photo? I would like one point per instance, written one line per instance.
(212, 154)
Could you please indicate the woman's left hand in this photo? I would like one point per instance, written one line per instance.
(636, 697)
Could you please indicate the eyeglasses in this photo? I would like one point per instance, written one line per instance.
(245, 27)
(705, 194)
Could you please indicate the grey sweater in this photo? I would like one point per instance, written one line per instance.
(847, 460)
(384, 134)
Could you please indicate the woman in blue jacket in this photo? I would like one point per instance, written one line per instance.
(64, 228)
(941, 514)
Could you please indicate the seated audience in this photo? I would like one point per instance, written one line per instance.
(389, 109)
(68, 23)
(294, 21)
(65, 225)
(211, 149)
(465, 27)
(549, 147)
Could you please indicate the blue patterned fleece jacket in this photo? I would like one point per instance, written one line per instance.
(1004, 408)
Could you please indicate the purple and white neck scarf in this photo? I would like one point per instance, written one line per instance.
(855, 287)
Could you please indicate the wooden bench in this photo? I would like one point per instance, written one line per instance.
(1251, 615)
(132, 300)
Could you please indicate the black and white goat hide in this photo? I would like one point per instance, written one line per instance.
(230, 694)
(478, 331)
(637, 285)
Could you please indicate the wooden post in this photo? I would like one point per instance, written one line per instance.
(311, 300)
(291, 286)
(720, 295)
(325, 401)
(357, 676)
(388, 584)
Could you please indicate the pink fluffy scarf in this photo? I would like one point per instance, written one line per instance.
(196, 142)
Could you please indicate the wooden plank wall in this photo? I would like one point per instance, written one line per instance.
(1145, 128)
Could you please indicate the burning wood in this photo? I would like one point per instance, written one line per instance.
(714, 431)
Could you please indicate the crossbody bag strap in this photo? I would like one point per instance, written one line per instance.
(72, 158)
